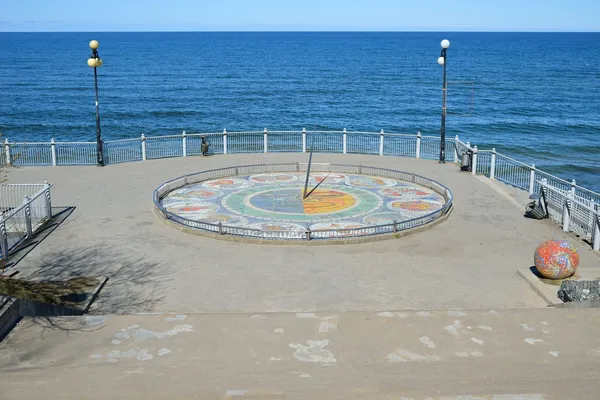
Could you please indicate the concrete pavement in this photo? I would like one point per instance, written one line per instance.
(254, 321)
(488, 354)
(468, 261)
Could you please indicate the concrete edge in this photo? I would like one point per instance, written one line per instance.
(533, 285)
(10, 315)
(95, 294)
(13, 310)
(580, 304)
(320, 242)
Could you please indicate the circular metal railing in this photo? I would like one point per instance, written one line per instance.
(307, 235)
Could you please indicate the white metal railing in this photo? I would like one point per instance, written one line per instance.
(189, 144)
(11, 196)
(575, 208)
(19, 220)
(574, 213)
(484, 162)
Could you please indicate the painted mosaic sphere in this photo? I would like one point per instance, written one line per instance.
(556, 259)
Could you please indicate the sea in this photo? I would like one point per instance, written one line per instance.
(532, 96)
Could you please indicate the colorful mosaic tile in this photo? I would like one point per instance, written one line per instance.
(275, 202)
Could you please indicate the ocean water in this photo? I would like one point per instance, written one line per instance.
(535, 96)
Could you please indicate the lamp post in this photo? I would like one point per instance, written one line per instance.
(95, 61)
(442, 61)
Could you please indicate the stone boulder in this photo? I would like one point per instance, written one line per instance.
(579, 290)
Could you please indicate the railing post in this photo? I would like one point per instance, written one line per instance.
(573, 185)
(544, 192)
(567, 211)
(395, 226)
(455, 149)
(224, 141)
(307, 233)
(474, 166)
(53, 151)
(493, 164)
(531, 178)
(344, 141)
(143, 147)
(596, 245)
(184, 143)
(7, 148)
(27, 200)
(220, 228)
(48, 201)
(304, 140)
(381, 143)
(265, 140)
(418, 149)
(3, 239)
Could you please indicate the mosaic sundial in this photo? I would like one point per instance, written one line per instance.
(275, 201)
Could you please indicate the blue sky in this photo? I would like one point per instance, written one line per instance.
(299, 15)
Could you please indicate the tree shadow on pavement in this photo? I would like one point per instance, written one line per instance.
(134, 285)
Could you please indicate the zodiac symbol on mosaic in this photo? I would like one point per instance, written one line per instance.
(273, 178)
(404, 192)
(369, 182)
(414, 207)
(191, 210)
(193, 192)
(228, 183)
(326, 178)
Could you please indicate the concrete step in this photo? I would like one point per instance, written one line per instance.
(547, 289)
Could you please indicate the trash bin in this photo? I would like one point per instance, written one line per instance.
(204, 146)
(465, 161)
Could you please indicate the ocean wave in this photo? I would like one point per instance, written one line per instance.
(152, 113)
(574, 168)
(65, 89)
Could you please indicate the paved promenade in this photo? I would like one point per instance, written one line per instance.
(439, 314)
(499, 354)
(468, 261)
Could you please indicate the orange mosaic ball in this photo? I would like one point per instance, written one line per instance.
(556, 259)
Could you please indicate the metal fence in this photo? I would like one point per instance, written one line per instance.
(188, 144)
(13, 195)
(25, 208)
(484, 162)
(307, 234)
(575, 208)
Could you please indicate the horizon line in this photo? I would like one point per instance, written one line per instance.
(307, 31)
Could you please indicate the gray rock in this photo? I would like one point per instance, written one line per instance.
(579, 290)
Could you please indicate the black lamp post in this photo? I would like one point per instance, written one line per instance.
(442, 61)
(95, 61)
